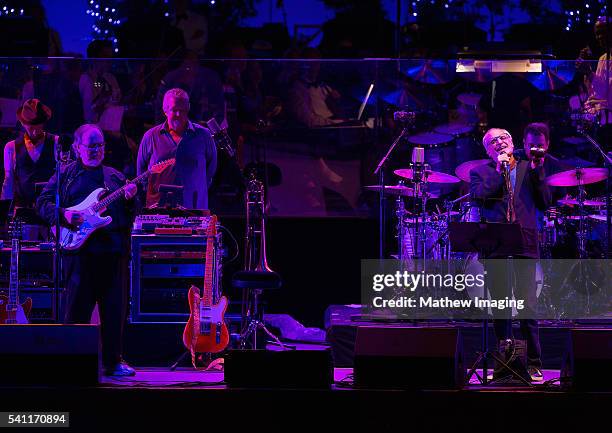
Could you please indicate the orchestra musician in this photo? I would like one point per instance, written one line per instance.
(96, 272)
(512, 191)
(599, 82)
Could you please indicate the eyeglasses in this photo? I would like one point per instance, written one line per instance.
(495, 140)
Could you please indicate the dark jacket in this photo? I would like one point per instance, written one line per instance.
(530, 194)
(73, 190)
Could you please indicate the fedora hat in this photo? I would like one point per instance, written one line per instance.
(33, 112)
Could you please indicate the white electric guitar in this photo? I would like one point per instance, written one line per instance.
(72, 238)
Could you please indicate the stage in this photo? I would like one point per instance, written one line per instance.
(157, 400)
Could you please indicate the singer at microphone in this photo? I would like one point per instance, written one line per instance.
(529, 196)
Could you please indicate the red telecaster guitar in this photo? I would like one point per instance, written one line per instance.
(206, 331)
(11, 312)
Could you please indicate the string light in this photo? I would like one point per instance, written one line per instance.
(585, 13)
(417, 7)
(105, 17)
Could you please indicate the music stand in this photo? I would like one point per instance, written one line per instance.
(501, 240)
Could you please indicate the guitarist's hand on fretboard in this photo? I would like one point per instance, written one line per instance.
(130, 191)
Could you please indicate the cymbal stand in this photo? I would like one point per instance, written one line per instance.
(419, 180)
(583, 277)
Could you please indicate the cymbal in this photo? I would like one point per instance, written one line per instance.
(554, 77)
(598, 217)
(573, 201)
(469, 99)
(577, 176)
(430, 176)
(398, 190)
(463, 170)
(431, 72)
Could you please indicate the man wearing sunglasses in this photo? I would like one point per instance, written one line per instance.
(511, 190)
(97, 272)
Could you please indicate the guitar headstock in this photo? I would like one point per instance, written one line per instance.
(162, 165)
(16, 228)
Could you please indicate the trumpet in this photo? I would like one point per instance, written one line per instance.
(255, 239)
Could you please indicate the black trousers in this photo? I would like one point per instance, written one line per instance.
(101, 278)
(520, 274)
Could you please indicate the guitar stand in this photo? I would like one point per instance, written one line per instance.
(209, 366)
(179, 360)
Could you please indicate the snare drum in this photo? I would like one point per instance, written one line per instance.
(470, 212)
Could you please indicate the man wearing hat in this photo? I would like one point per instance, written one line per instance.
(30, 158)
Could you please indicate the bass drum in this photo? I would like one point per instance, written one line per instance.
(434, 233)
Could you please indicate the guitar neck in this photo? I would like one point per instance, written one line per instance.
(14, 273)
(207, 290)
(118, 193)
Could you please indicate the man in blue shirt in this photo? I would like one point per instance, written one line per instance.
(191, 145)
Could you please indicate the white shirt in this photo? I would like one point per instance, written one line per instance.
(601, 87)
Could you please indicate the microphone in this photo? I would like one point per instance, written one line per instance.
(418, 163)
(418, 155)
(220, 136)
(63, 146)
(504, 164)
(537, 152)
(404, 116)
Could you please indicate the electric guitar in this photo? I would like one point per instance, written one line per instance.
(206, 331)
(11, 312)
(72, 238)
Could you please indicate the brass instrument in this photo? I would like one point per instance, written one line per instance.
(255, 239)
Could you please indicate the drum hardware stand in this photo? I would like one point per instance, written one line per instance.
(608, 164)
(583, 277)
(381, 176)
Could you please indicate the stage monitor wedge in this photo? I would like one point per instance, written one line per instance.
(408, 358)
(588, 361)
(311, 369)
(41, 354)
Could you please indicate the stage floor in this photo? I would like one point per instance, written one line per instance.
(158, 400)
(190, 378)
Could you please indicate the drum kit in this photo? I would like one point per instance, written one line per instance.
(579, 220)
(423, 233)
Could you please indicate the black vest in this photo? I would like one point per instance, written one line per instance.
(28, 172)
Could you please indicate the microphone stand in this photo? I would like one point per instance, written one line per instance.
(608, 164)
(509, 191)
(381, 200)
(57, 258)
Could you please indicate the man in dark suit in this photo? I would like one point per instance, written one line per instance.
(491, 185)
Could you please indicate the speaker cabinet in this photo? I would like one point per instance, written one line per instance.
(49, 354)
(279, 369)
(588, 361)
(408, 358)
